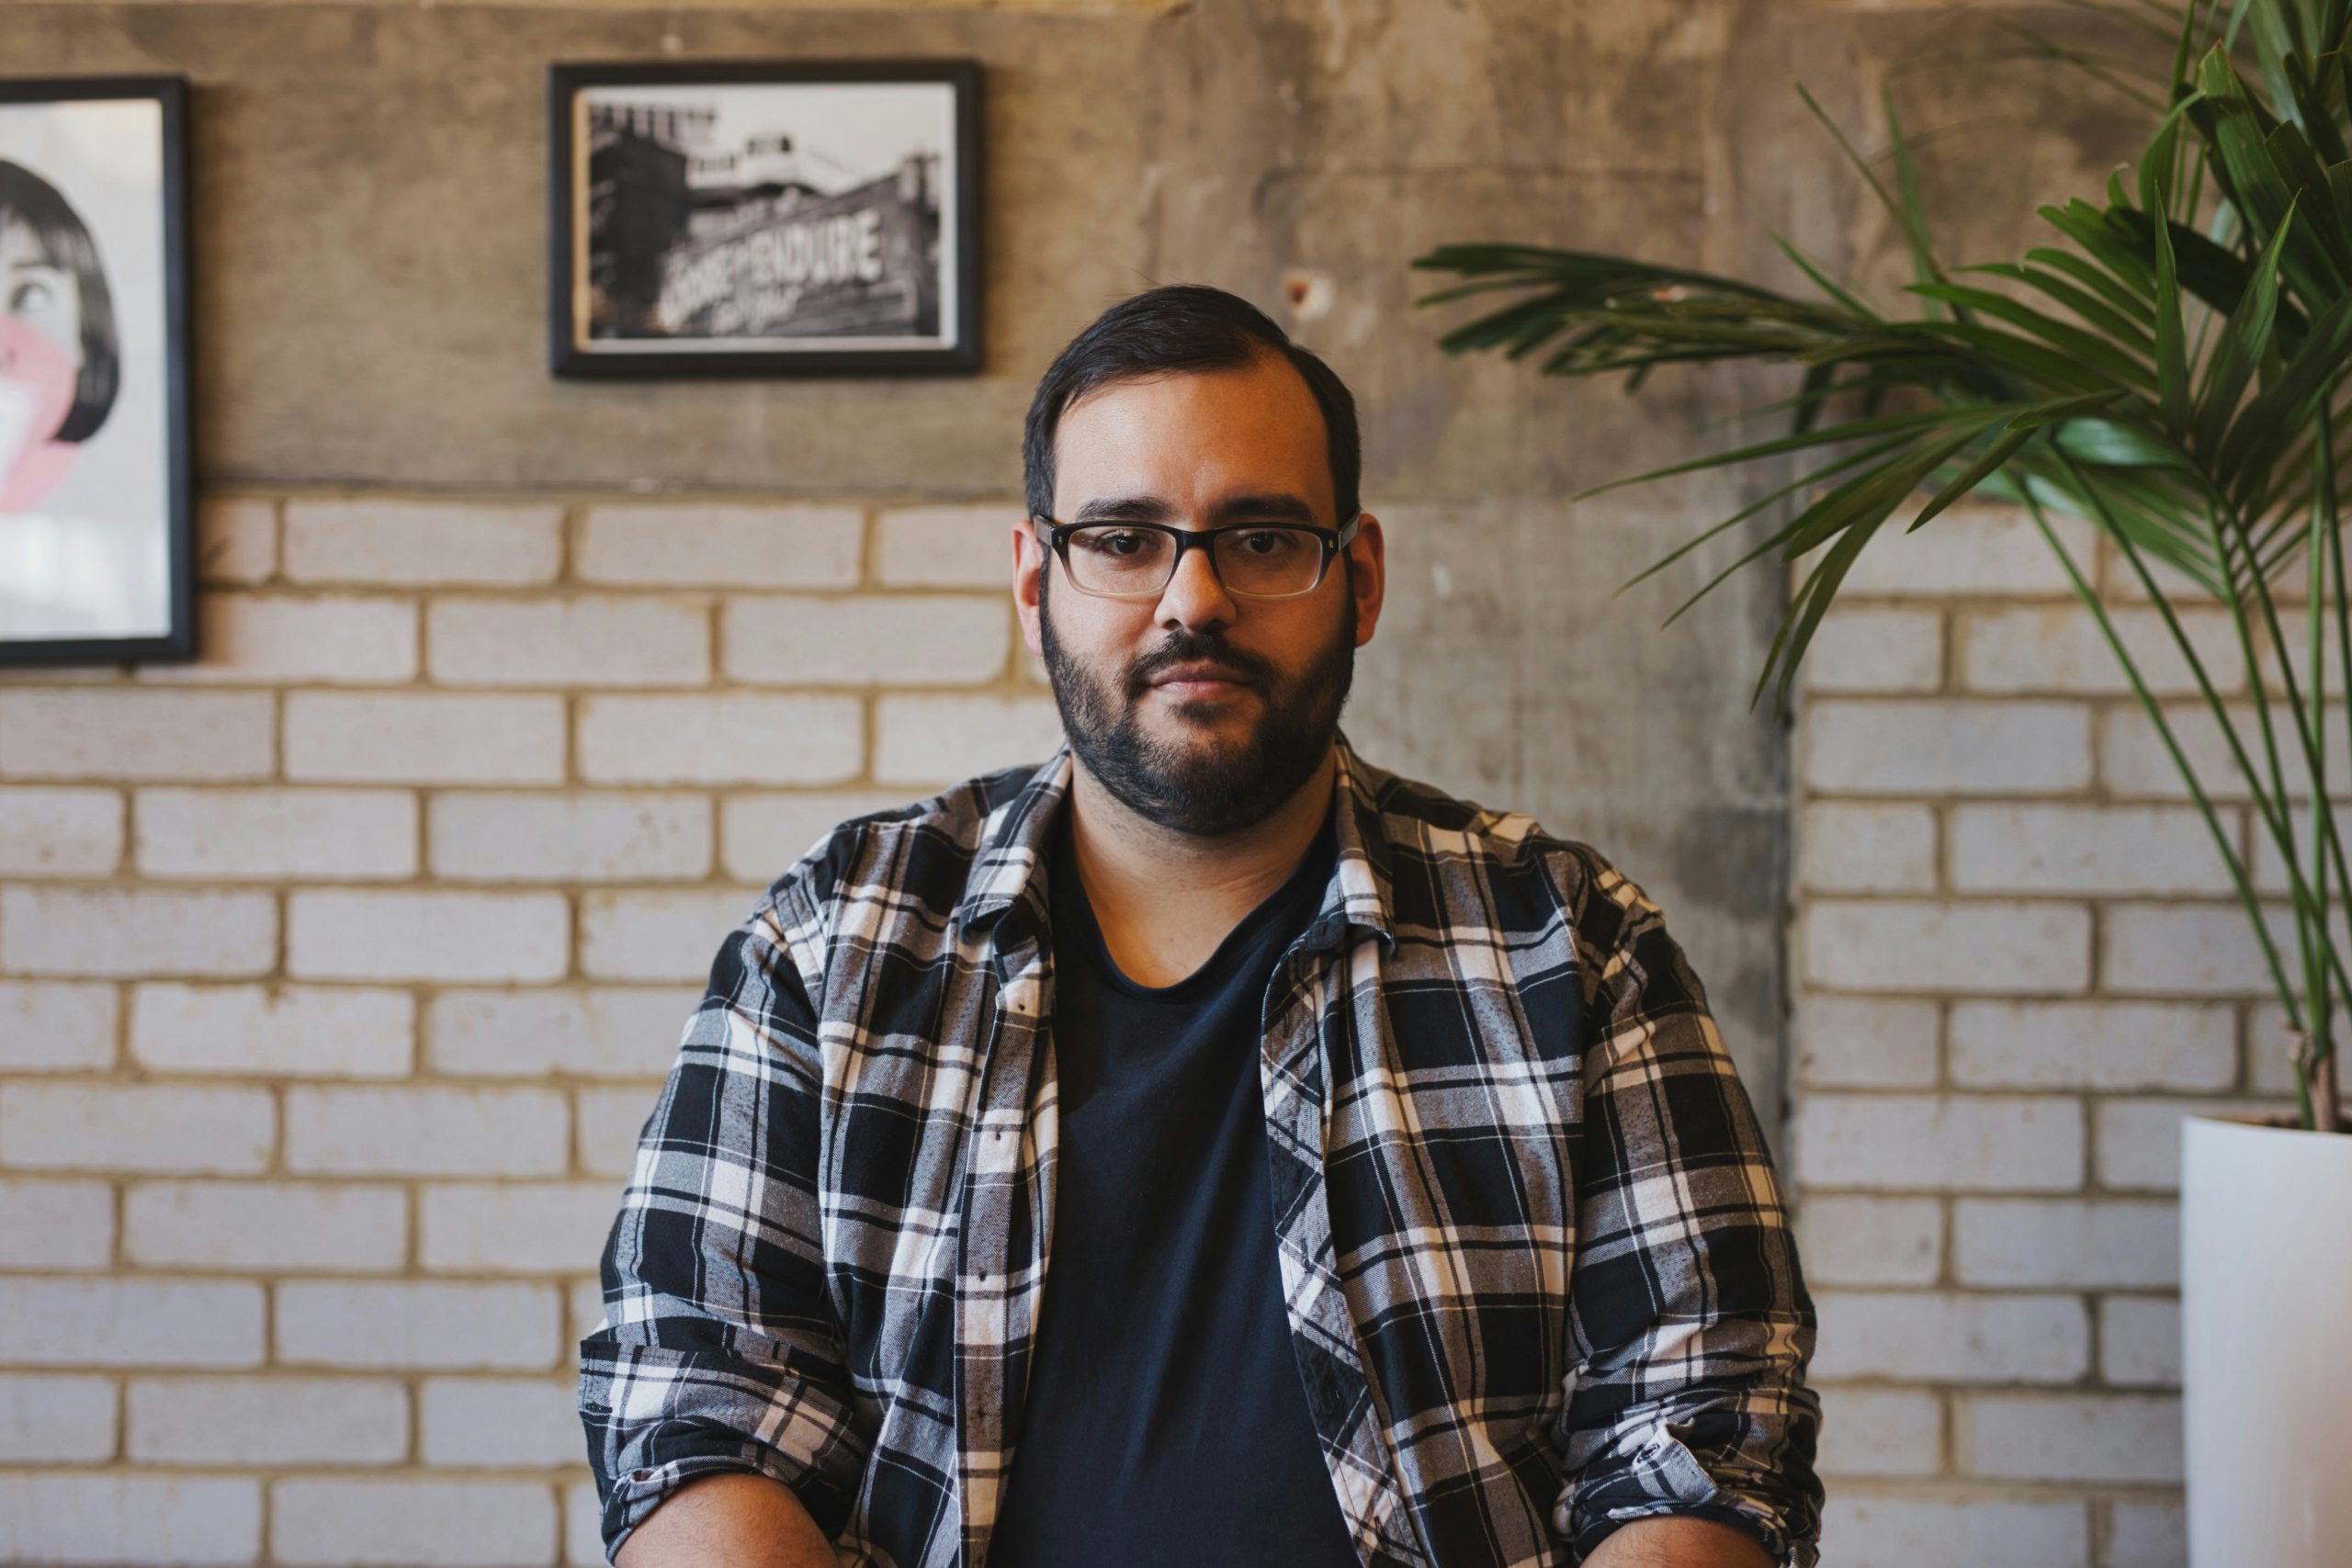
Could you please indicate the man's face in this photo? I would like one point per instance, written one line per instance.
(1199, 709)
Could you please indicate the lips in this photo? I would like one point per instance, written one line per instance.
(1200, 675)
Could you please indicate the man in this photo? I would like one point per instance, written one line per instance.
(1206, 1149)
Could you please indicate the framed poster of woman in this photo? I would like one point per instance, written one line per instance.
(96, 536)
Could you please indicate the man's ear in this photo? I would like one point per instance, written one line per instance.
(1028, 572)
(1367, 575)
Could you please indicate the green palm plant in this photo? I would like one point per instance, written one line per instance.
(2171, 367)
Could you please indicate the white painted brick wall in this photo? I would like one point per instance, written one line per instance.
(59, 831)
(425, 1131)
(214, 1421)
(56, 1025)
(137, 932)
(553, 836)
(270, 835)
(589, 640)
(239, 1226)
(420, 543)
(2018, 963)
(119, 734)
(720, 546)
(922, 640)
(56, 1417)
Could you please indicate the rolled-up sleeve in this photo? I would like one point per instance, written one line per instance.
(720, 1349)
(1691, 1320)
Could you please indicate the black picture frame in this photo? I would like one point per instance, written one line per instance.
(645, 243)
(148, 456)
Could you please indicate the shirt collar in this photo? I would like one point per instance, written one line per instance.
(1009, 868)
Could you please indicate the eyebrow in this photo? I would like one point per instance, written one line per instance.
(1260, 506)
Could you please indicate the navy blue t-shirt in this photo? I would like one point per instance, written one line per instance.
(1165, 1425)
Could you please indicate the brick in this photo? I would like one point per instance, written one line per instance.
(131, 1323)
(237, 1225)
(2026, 1241)
(1870, 1531)
(60, 832)
(1975, 547)
(276, 834)
(1849, 847)
(584, 1306)
(2268, 869)
(347, 639)
(1921, 1141)
(701, 544)
(2124, 1437)
(2139, 1140)
(171, 1128)
(590, 640)
(236, 540)
(1865, 1043)
(583, 1525)
(126, 734)
(56, 1026)
(2087, 848)
(425, 1131)
(570, 836)
(2270, 1046)
(731, 737)
(56, 1224)
(668, 934)
(1856, 747)
(2139, 1341)
(302, 1421)
(1875, 650)
(1870, 1241)
(935, 740)
(1920, 1336)
(1885, 1432)
(2045, 648)
(2184, 949)
(416, 542)
(128, 1518)
(1919, 945)
(761, 836)
(517, 1228)
(137, 932)
(2093, 1044)
(610, 1122)
(2134, 762)
(598, 1031)
(412, 1523)
(2147, 1535)
(424, 738)
(333, 934)
(433, 1327)
(936, 639)
(946, 546)
(56, 1417)
(502, 1423)
(276, 1028)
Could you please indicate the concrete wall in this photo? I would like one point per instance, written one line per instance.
(336, 972)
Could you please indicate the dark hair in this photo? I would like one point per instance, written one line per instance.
(27, 198)
(1182, 328)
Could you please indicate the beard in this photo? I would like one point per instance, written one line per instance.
(1202, 790)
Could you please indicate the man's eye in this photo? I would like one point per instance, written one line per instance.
(1115, 542)
(1266, 541)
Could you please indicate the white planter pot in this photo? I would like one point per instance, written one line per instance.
(2266, 1310)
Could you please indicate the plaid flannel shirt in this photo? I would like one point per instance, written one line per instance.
(1536, 1267)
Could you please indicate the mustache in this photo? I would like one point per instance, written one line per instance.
(1188, 647)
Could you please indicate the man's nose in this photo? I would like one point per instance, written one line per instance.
(1194, 596)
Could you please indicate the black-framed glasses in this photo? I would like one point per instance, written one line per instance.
(1133, 560)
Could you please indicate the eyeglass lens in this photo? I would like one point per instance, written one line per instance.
(1271, 559)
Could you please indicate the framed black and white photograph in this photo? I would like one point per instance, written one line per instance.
(764, 218)
(97, 535)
